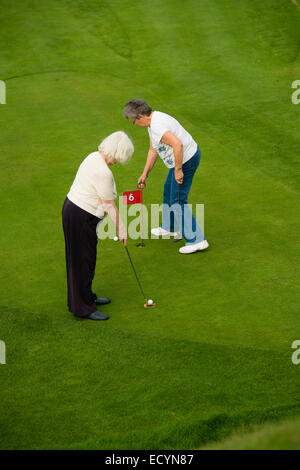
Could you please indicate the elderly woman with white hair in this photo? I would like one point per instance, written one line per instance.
(92, 195)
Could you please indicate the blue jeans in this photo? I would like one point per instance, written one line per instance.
(176, 216)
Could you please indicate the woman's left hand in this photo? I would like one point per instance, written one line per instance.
(124, 241)
(179, 176)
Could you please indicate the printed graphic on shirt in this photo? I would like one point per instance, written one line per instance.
(166, 154)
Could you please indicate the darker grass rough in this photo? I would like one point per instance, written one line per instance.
(215, 355)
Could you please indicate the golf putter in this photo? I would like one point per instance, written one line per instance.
(178, 239)
(146, 305)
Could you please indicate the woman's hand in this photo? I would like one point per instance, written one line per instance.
(122, 233)
(141, 182)
(178, 176)
(124, 241)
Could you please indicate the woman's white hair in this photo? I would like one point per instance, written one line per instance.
(117, 146)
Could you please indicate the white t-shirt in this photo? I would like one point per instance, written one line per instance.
(161, 123)
(94, 179)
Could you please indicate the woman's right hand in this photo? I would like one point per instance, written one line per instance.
(141, 182)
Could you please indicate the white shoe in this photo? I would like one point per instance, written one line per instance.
(161, 232)
(193, 247)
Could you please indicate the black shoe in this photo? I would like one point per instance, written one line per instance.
(97, 316)
(102, 301)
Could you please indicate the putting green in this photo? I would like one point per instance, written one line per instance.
(215, 355)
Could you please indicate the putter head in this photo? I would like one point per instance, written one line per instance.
(146, 305)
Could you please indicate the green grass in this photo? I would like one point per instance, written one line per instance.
(214, 357)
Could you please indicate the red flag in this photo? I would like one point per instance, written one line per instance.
(132, 197)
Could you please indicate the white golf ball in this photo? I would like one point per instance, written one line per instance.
(116, 239)
(150, 302)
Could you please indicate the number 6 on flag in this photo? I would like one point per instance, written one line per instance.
(132, 197)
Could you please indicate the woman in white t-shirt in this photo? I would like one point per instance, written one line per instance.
(91, 196)
(181, 155)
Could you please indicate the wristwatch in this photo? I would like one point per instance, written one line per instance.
(178, 168)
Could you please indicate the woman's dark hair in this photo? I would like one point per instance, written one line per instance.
(135, 107)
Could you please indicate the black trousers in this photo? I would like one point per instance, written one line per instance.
(81, 252)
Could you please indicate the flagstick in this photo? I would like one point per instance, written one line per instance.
(142, 244)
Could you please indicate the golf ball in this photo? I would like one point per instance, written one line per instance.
(150, 302)
(116, 239)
